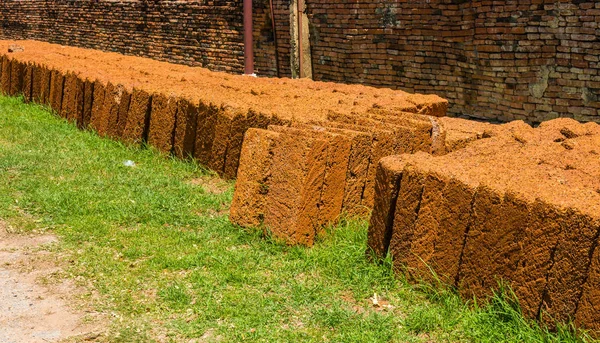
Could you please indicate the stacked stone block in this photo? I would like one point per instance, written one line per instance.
(172, 124)
(204, 118)
(294, 181)
(472, 218)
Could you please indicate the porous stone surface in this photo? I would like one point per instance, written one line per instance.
(191, 111)
(313, 173)
(522, 206)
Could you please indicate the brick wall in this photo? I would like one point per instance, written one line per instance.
(264, 39)
(530, 59)
(204, 33)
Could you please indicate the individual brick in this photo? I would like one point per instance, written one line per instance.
(588, 310)
(221, 137)
(437, 236)
(17, 70)
(162, 122)
(332, 196)
(72, 103)
(45, 83)
(5, 77)
(357, 173)
(28, 82)
(571, 259)
(239, 126)
(56, 90)
(122, 113)
(36, 84)
(323, 161)
(185, 128)
(297, 171)
(80, 103)
(249, 204)
(205, 131)
(138, 117)
(114, 96)
(98, 121)
(405, 216)
(88, 100)
(492, 249)
(387, 186)
(449, 213)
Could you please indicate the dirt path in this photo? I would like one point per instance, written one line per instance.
(35, 305)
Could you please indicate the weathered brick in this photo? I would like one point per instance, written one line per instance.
(378, 47)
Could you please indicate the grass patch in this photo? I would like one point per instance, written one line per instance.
(154, 243)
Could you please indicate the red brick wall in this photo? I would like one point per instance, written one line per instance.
(204, 33)
(264, 39)
(529, 59)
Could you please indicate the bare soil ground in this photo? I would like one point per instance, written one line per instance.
(36, 304)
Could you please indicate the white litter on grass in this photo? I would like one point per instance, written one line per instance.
(375, 300)
(129, 163)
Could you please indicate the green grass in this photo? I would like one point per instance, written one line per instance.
(153, 246)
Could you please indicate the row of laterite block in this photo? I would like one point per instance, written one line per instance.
(296, 176)
(296, 180)
(521, 207)
(210, 133)
(310, 173)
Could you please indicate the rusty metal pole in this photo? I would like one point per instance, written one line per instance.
(248, 41)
